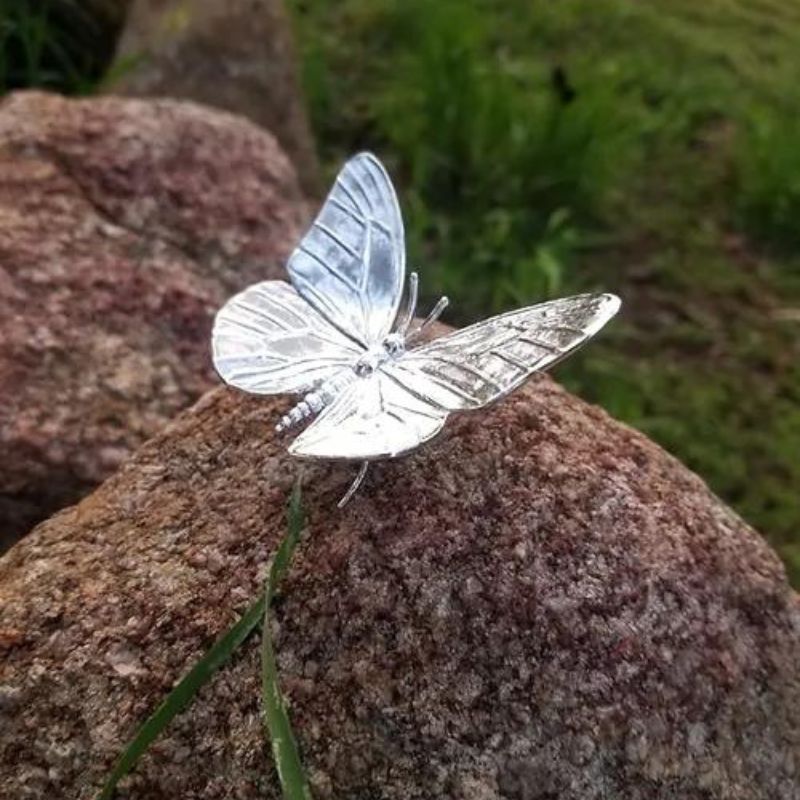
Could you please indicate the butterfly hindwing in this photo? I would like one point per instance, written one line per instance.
(268, 340)
(372, 418)
(351, 264)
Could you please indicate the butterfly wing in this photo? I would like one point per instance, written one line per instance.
(374, 417)
(351, 264)
(268, 340)
(484, 362)
(406, 402)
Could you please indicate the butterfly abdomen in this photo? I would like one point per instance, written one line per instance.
(316, 400)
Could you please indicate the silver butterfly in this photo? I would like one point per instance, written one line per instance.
(335, 335)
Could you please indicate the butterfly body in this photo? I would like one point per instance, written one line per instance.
(336, 337)
(372, 359)
(316, 400)
(378, 355)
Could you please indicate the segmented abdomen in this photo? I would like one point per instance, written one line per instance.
(315, 401)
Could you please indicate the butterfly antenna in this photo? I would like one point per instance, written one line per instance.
(411, 305)
(436, 312)
(359, 479)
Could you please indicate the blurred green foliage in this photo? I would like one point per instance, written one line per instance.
(495, 161)
(501, 165)
(52, 44)
(768, 178)
(646, 148)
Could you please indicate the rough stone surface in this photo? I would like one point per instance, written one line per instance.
(123, 225)
(542, 604)
(237, 55)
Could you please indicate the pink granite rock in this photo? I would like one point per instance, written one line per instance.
(542, 604)
(123, 225)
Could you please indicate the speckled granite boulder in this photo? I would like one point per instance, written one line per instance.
(237, 55)
(123, 224)
(542, 604)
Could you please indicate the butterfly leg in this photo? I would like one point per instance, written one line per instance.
(359, 479)
(411, 306)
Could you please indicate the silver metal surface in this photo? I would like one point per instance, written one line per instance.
(351, 264)
(268, 340)
(375, 417)
(484, 362)
(335, 335)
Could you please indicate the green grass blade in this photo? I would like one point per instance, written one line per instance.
(276, 721)
(183, 693)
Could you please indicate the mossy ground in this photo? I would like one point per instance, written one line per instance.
(646, 148)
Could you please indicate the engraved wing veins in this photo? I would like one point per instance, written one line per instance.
(468, 368)
(413, 391)
(336, 238)
(509, 359)
(345, 209)
(287, 333)
(261, 314)
(539, 343)
(327, 267)
(450, 387)
(353, 273)
(365, 194)
(350, 196)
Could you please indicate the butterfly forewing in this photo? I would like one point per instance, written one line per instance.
(482, 363)
(351, 264)
(268, 340)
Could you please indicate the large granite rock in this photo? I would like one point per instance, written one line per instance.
(237, 55)
(543, 604)
(123, 225)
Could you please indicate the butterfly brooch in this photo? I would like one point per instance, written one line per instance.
(336, 335)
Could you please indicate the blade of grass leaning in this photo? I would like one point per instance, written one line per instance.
(183, 693)
(276, 721)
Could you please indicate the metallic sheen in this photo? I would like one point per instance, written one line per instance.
(337, 337)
